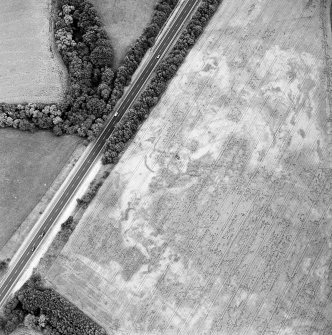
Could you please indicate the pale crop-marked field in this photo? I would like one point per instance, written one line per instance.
(29, 71)
(24, 331)
(124, 21)
(217, 219)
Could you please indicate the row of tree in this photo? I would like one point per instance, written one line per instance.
(134, 56)
(90, 194)
(93, 86)
(88, 55)
(45, 309)
(129, 124)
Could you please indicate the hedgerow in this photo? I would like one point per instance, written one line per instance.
(48, 311)
(94, 86)
(134, 56)
(90, 194)
(167, 69)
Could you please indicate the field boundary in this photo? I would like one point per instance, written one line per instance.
(152, 49)
(325, 18)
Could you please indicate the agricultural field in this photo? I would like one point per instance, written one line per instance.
(29, 70)
(217, 219)
(124, 21)
(29, 165)
(25, 331)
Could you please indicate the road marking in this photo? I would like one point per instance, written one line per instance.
(107, 131)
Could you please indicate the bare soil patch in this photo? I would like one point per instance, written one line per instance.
(29, 70)
(124, 21)
(217, 219)
(24, 331)
(29, 165)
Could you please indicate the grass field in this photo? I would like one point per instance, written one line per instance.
(124, 21)
(29, 164)
(29, 71)
(217, 219)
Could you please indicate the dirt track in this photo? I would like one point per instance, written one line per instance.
(217, 219)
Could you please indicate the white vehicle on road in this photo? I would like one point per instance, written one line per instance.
(158, 56)
(116, 113)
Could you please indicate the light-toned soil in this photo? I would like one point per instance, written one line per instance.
(24, 331)
(217, 219)
(124, 21)
(29, 70)
(28, 167)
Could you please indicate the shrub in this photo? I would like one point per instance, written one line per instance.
(90, 194)
(4, 264)
(68, 224)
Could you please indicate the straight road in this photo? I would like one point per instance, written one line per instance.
(97, 147)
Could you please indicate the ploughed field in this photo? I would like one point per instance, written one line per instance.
(29, 68)
(124, 21)
(217, 219)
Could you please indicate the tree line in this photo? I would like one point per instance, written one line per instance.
(94, 85)
(43, 309)
(92, 190)
(167, 69)
(137, 51)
